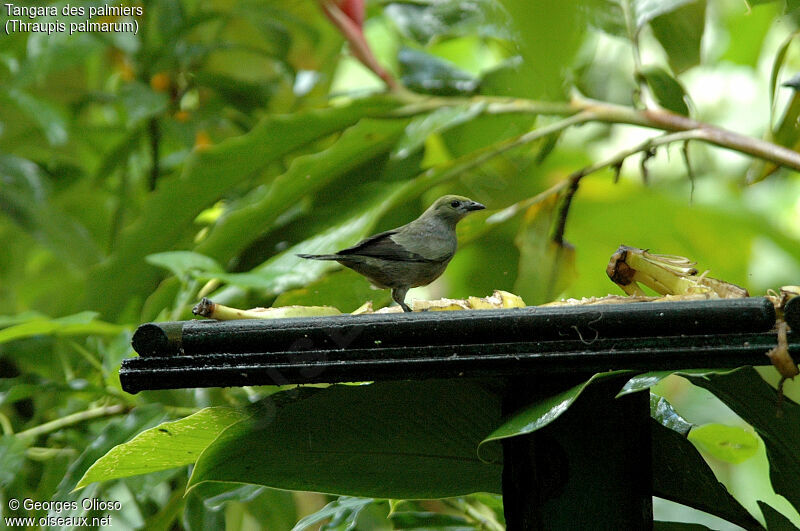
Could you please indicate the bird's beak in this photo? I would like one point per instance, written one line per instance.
(474, 205)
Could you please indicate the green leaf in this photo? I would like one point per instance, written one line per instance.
(168, 445)
(663, 412)
(430, 520)
(31, 385)
(170, 211)
(549, 40)
(546, 267)
(625, 18)
(659, 525)
(343, 510)
(83, 323)
(640, 382)
(183, 263)
(426, 22)
(141, 103)
(50, 119)
(12, 458)
(681, 475)
(541, 413)
(369, 440)
(755, 401)
(667, 91)
(345, 290)
(775, 520)
(680, 33)
(199, 517)
(113, 433)
(726, 443)
(429, 74)
(307, 174)
(443, 118)
(24, 198)
(647, 10)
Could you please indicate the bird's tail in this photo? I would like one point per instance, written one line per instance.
(320, 256)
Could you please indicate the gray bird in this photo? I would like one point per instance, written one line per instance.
(408, 256)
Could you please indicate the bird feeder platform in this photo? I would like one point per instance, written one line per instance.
(536, 351)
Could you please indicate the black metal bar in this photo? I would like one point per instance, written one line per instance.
(378, 331)
(482, 360)
(791, 313)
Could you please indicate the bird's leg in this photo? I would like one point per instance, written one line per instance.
(399, 296)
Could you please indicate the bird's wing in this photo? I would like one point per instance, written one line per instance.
(383, 246)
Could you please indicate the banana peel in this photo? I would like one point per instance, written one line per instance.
(665, 274)
(499, 299)
(212, 310)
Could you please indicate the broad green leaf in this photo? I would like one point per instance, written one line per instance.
(750, 397)
(183, 263)
(663, 412)
(541, 413)
(681, 475)
(116, 431)
(169, 445)
(417, 132)
(345, 289)
(83, 323)
(369, 440)
(429, 74)
(549, 35)
(307, 174)
(51, 120)
(680, 33)
(12, 459)
(546, 267)
(24, 198)
(726, 443)
(207, 175)
(667, 90)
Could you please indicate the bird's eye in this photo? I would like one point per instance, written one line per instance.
(455, 204)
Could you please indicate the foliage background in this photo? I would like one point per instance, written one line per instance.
(223, 128)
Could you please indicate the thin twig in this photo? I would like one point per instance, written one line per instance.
(69, 420)
(571, 183)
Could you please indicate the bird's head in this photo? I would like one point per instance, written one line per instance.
(452, 208)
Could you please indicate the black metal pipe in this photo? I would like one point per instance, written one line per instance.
(378, 331)
(482, 360)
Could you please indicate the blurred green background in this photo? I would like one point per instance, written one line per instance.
(196, 157)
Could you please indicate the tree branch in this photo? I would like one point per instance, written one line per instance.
(597, 111)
